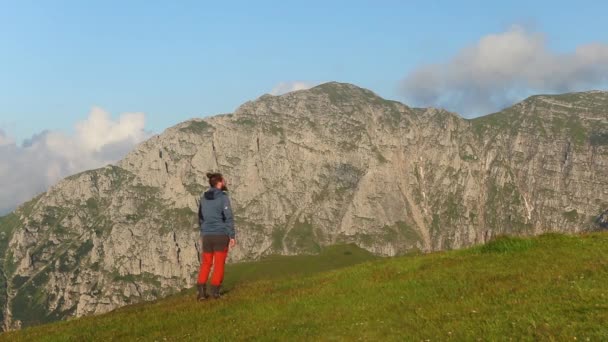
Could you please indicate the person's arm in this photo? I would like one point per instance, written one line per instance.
(229, 218)
(201, 219)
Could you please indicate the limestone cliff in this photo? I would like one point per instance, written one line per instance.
(332, 164)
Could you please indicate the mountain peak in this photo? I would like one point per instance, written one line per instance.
(338, 85)
(327, 98)
(342, 89)
(327, 87)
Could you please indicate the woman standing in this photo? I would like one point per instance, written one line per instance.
(217, 231)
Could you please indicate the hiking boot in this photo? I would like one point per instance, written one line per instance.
(202, 292)
(215, 292)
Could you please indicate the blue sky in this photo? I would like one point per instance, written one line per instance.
(83, 82)
(176, 60)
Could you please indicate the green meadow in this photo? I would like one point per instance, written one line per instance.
(552, 287)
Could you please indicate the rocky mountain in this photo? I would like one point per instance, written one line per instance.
(332, 164)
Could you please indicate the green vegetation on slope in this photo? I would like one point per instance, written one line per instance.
(8, 224)
(505, 121)
(277, 266)
(196, 127)
(548, 288)
(598, 139)
(571, 116)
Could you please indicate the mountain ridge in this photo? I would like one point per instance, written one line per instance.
(328, 165)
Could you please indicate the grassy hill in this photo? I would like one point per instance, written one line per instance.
(553, 287)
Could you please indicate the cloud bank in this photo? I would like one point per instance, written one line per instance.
(287, 87)
(503, 68)
(4, 139)
(47, 157)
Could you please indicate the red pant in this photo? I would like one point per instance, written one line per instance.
(215, 251)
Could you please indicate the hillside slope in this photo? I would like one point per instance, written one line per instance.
(546, 288)
(330, 165)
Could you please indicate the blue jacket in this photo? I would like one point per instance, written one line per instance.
(215, 213)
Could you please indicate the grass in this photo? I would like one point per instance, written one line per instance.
(504, 244)
(196, 127)
(276, 266)
(572, 126)
(571, 215)
(501, 121)
(468, 157)
(248, 122)
(337, 93)
(599, 139)
(8, 224)
(302, 238)
(548, 288)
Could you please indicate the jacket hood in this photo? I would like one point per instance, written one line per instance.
(213, 193)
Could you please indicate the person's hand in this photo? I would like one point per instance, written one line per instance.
(232, 243)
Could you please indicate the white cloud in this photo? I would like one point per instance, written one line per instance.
(49, 156)
(287, 87)
(4, 139)
(502, 68)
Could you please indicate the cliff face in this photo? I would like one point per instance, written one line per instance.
(333, 164)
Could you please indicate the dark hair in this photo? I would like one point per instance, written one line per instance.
(214, 178)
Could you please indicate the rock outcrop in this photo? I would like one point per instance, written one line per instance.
(332, 164)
